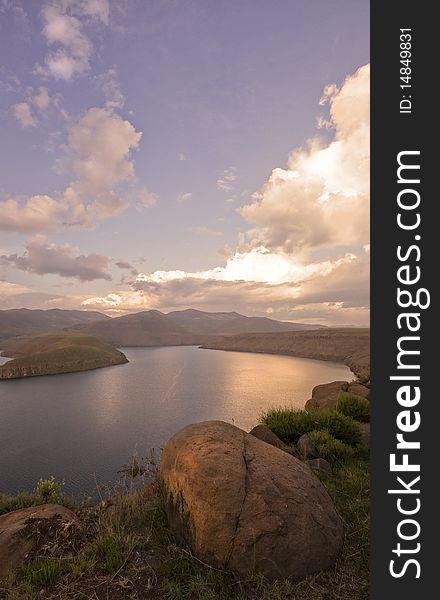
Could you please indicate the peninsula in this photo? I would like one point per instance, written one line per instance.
(55, 353)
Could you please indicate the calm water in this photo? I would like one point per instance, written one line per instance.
(83, 427)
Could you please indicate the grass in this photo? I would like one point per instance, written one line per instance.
(354, 406)
(126, 551)
(329, 447)
(290, 425)
(46, 491)
(54, 353)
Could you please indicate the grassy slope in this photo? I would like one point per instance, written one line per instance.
(127, 552)
(55, 353)
(25, 322)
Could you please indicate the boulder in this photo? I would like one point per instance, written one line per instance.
(306, 447)
(359, 390)
(263, 433)
(326, 395)
(320, 464)
(245, 506)
(24, 532)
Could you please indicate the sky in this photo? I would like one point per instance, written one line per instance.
(167, 154)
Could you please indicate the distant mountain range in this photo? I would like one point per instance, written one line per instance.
(147, 328)
(23, 321)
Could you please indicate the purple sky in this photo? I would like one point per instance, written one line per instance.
(95, 215)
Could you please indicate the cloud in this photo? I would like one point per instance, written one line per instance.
(9, 82)
(109, 86)
(43, 258)
(184, 197)
(306, 256)
(122, 264)
(19, 15)
(322, 198)
(225, 182)
(99, 148)
(146, 198)
(24, 115)
(64, 31)
(329, 92)
(37, 214)
(255, 265)
(36, 102)
(9, 289)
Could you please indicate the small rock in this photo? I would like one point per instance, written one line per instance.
(19, 536)
(306, 447)
(326, 395)
(263, 433)
(359, 390)
(320, 464)
(245, 506)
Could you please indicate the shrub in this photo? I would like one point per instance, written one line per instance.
(290, 425)
(20, 500)
(49, 490)
(354, 406)
(340, 426)
(329, 447)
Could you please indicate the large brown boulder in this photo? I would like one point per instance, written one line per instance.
(359, 390)
(326, 395)
(23, 532)
(243, 505)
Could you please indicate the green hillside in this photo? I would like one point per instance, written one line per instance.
(54, 353)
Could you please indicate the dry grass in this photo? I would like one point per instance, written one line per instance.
(125, 551)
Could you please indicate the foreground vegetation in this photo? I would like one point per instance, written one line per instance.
(126, 550)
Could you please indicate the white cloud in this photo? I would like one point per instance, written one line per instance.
(329, 92)
(109, 86)
(64, 30)
(24, 115)
(9, 289)
(184, 197)
(322, 198)
(226, 180)
(316, 207)
(36, 103)
(43, 258)
(99, 148)
(42, 99)
(182, 156)
(146, 197)
(37, 214)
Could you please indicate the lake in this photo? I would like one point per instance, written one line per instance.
(82, 427)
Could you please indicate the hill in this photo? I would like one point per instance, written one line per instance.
(148, 328)
(55, 353)
(200, 322)
(154, 328)
(23, 321)
(350, 346)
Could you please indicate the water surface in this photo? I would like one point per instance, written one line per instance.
(82, 427)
